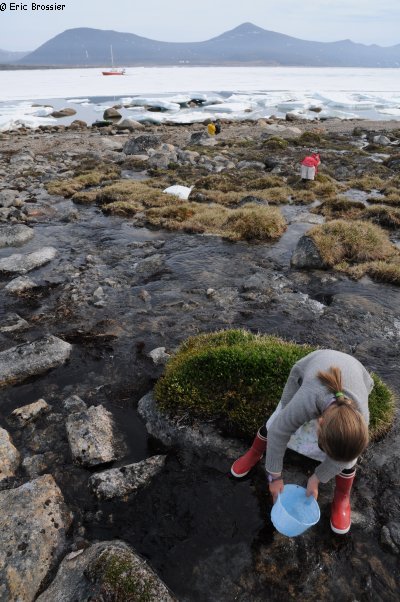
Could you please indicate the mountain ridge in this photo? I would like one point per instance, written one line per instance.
(245, 44)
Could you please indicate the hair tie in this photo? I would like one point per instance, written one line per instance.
(339, 394)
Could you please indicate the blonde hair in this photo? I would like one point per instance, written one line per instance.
(343, 433)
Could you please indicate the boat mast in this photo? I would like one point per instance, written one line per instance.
(112, 58)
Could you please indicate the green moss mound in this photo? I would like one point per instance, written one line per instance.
(236, 378)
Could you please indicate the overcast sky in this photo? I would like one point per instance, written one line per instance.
(365, 21)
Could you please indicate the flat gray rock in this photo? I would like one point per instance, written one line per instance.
(9, 456)
(91, 436)
(33, 523)
(21, 264)
(31, 359)
(118, 482)
(202, 436)
(12, 236)
(20, 285)
(88, 575)
(13, 323)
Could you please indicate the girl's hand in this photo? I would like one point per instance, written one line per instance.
(276, 487)
(312, 486)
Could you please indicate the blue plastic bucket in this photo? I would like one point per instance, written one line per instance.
(294, 512)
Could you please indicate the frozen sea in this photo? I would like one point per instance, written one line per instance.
(192, 94)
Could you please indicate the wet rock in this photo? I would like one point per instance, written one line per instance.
(67, 112)
(159, 357)
(91, 436)
(12, 236)
(141, 144)
(13, 323)
(9, 456)
(111, 113)
(387, 541)
(29, 413)
(118, 482)
(8, 197)
(150, 266)
(306, 255)
(394, 530)
(201, 436)
(74, 404)
(31, 359)
(20, 285)
(39, 464)
(129, 124)
(21, 264)
(109, 570)
(33, 523)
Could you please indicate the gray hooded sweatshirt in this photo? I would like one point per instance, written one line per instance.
(305, 397)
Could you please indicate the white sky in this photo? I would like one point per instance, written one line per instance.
(365, 21)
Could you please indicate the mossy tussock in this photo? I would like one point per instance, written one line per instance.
(275, 143)
(355, 241)
(68, 187)
(236, 378)
(358, 248)
(386, 217)
(367, 183)
(381, 271)
(251, 222)
(339, 207)
(238, 180)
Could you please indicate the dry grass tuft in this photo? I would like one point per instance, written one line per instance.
(352, 242)
(304, 197)
(123, 208)
(251, 222)
(276, 143)
(85, 197)
(367, 183)
(131, 190)
(387, 217)
(339, 207)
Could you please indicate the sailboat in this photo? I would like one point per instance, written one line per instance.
(113, 70)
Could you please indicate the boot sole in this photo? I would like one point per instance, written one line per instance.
(340, 531)
(238, 476)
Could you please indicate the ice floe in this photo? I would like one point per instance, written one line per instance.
(192, 95)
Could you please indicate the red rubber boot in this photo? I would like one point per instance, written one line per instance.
(340, 509)
(245, 463)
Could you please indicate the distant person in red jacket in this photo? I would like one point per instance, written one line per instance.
(309, 166)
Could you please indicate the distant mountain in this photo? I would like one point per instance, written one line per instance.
(10, 57)
(246, 44)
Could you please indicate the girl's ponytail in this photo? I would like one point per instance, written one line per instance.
(343, 433)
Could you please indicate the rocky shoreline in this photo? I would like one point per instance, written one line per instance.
(92, 305)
